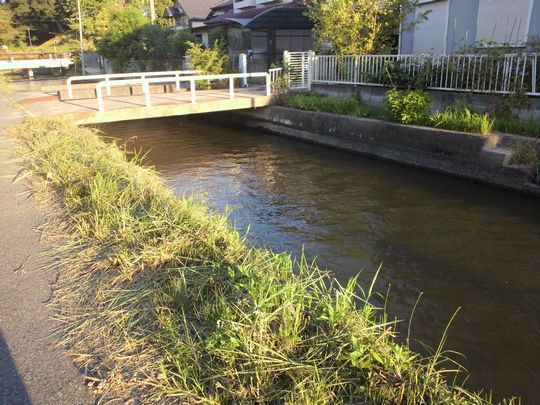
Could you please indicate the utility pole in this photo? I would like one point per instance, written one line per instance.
(29, 37)
(152, 12)
(80, 35)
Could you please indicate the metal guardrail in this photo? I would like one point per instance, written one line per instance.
(478, 73)
(141, 75)
(13, 56)
(146, 82)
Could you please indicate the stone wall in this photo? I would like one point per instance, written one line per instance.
(475, 157)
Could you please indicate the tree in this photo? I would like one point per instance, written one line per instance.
(131, 39)
(8, 34)
(358, 26)
(45, 18)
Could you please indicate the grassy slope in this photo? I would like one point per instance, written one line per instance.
(159, 297)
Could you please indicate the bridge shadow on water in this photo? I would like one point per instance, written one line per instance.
(12, 389)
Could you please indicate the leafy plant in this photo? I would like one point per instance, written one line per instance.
(407, 107)
(462, 120)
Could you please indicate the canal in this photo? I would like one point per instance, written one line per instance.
(462, 244)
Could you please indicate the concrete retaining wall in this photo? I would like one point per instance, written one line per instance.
(375, 95)
(470, 156)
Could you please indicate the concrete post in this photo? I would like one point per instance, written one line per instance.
(30, 73)
(243, 67)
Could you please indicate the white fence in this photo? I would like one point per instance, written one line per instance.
(145, 82)
(494, 74)
(115, 76)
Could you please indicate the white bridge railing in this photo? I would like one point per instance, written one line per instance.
(477, 73)
(139, 75)
(145, 82)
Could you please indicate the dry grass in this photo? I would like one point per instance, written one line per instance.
(160, 299)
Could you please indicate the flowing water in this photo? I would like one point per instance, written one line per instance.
(460, 243)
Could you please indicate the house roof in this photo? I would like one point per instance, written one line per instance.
(284, 16)
(195, 9)
(287, 16)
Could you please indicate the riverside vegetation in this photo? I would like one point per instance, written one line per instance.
(159, 298)
(412, 107)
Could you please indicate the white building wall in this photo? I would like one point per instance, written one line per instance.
(503, 21)
(430, 35)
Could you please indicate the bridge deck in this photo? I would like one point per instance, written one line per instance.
(132, 107)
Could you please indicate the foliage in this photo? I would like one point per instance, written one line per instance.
(212, 61)
(407, 107)
(8, 33)
(45, 19)
(130, 41)
(354, 27)
(159, 298)
(462, 120)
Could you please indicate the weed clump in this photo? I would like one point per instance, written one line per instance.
(160, 299)
(462, 120)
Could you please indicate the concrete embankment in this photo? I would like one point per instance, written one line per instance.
(475, 157)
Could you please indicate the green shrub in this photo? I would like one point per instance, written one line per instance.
(407, 107)
(462, 120)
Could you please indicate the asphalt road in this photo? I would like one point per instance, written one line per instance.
(34, 369)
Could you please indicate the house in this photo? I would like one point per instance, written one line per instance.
(188, 13)
(261, 28)
(453, 25)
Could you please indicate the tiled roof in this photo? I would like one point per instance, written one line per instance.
(198, 9)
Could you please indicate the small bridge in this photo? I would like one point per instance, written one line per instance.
(130, 96)
(34, 60)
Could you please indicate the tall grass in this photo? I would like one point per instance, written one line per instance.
(159, 298)
(516, 126)
(462, 120)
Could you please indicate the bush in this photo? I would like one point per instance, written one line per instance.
(462, 120)
(407, 107)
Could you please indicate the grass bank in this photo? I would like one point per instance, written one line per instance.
(160, 298)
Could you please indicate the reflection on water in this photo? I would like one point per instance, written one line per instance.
(462, 244)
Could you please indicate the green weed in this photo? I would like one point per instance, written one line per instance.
(159, 299)
(462, 120)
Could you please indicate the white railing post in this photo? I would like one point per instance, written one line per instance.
(99, 96)
(177, 77)
(146, 90)
(192, 90)
(242, 62)
(268, 85)
(311, 56)
(108, 86)
(231, 88)
(69, 88)
(534, 72)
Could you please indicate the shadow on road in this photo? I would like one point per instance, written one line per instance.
(12, 389)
